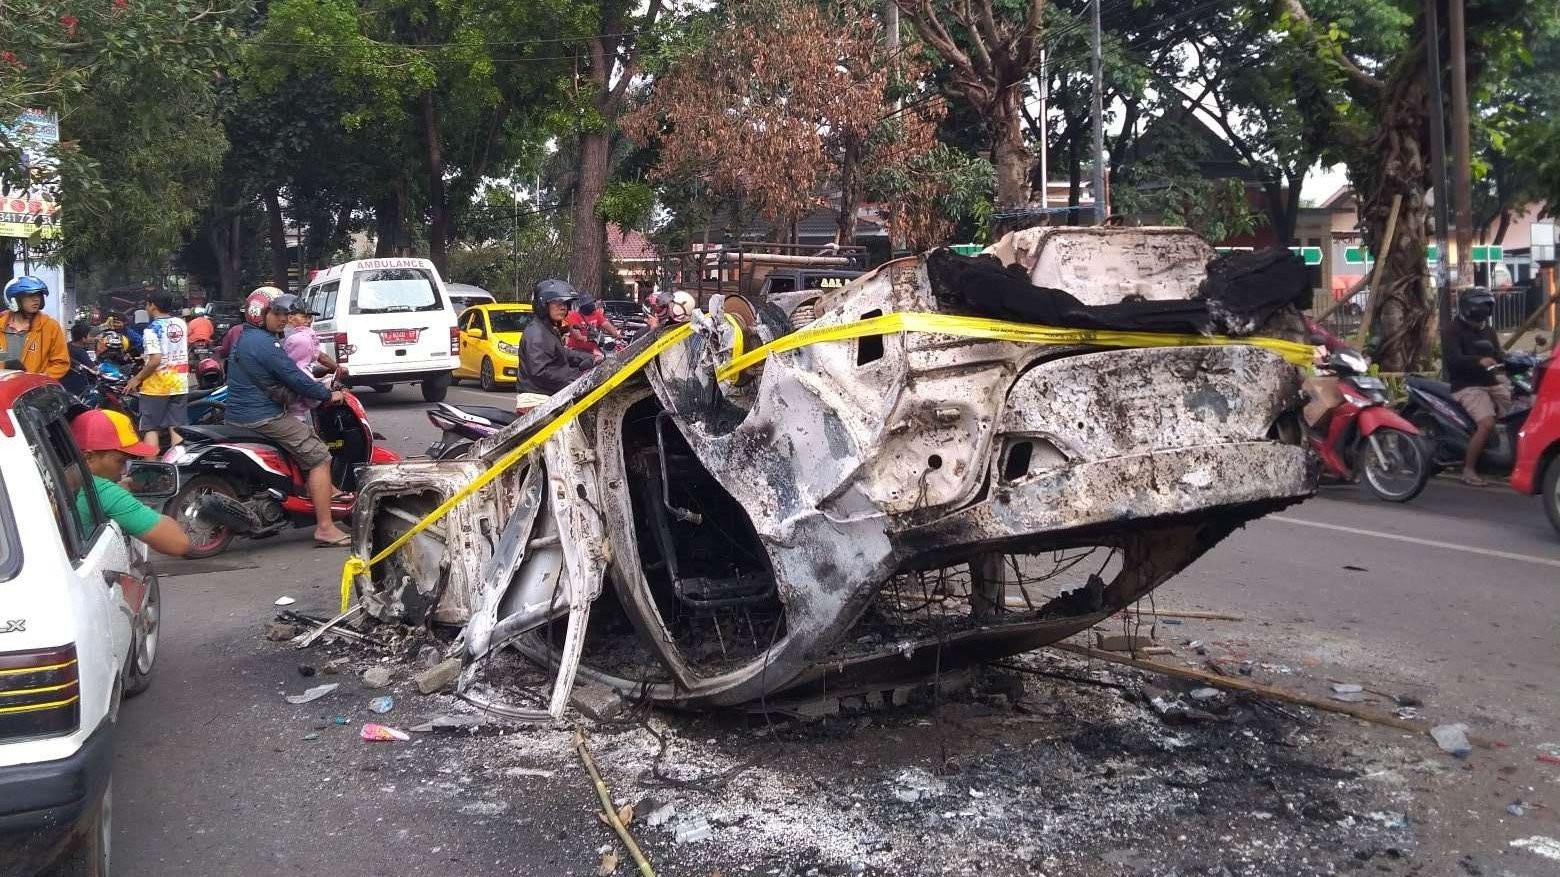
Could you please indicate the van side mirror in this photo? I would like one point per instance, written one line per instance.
(153, 480)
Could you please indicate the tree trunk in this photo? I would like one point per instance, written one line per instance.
(590, 230)
(1500, 230)
(1008, 152)
(276, 233)
(1283, 205)
(387, 225)
(438, 202)
(224, 237)
(1395, 165)
(845, 228)
(1074, 177)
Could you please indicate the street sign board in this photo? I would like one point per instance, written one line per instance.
(1311, 255)
(1357, 256)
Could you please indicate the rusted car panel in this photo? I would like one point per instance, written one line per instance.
(853, 510)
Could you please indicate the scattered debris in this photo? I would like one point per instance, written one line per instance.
(382, 733)
(306, 671)
(527, 771)
(435, 678)
(914, 784)
(333, 625)
(312, 735)
(442, 723)
(1181, 613)
(377, 677)
(427, 657)
(280, 631)
(1347, 688)
(1123, 642)
(1515, 808)
(609, 863)
(1204, 694)
(598, 702)
(608, 813)
(284, 601)
(334, 665)
(312, 694)
(1453, 739)
(340, 720)
(660, 815)
(1350, 697)
(1547, 847)
(1548, 759)
(692, 830)
(382, 704)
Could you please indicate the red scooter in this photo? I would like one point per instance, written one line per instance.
(1358, 436)
(1537, 470)
(234, 481)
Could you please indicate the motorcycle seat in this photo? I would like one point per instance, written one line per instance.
(1440, 389)
(222, 432)
(499, 416)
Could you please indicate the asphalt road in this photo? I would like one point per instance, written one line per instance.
(1452, 596)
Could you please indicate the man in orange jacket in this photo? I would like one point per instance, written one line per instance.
(32, 340)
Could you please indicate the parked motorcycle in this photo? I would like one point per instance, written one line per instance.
(1431, 407)
(234, 481)
(460, 426)
(1358, 437)
(106, 389)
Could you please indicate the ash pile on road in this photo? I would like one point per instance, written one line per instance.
(1052, 777)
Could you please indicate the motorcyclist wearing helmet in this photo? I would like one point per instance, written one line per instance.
(588, 315)
(546, 365)
(259, 376)
(1468, 349)
(31, 340)
(201, 328)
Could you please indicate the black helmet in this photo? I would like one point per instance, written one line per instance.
(586, 305)
(1475, 304)
(551, 290)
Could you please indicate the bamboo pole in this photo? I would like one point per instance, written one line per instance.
(1532, 319)
(606, 805)
(1375, 276)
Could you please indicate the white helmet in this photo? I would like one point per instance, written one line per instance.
(682, 306)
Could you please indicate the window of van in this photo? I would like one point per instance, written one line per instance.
(322, 299)
(394, 290)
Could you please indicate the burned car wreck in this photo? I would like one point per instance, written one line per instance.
(868, 506)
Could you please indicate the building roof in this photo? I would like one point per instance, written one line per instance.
(628, 245)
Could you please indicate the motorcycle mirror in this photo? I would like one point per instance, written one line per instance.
(153, 480)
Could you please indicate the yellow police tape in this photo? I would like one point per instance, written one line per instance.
(964, 327)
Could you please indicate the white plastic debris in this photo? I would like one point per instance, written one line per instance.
(692, 830)
(285, 601)
(1547, 847)
(661, 815)
(1347, 688)
(914, 783)
(312, 694)
(1452, 739)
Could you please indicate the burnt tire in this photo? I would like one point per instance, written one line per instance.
(436, 386)
(1400, 471)
(1550, 492)
(486, 377)
(188, 508)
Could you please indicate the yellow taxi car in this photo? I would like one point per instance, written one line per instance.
(490, 343)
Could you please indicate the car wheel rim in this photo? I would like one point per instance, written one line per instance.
(487, 375)
(151, 616)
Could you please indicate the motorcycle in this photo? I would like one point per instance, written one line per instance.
(461, 426)
(106, 389)
(209, 374)
(234, 481)
(1358, 437)
(1431, 407)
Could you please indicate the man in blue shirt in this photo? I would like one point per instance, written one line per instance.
(259, 377)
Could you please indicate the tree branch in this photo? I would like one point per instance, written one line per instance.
(1334, 55)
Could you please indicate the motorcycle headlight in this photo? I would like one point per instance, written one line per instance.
(508, 349)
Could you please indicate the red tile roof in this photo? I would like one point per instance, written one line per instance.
(629, 245)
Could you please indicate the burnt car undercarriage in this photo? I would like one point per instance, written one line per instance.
(850, 513)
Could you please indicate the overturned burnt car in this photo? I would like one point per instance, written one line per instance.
(868, 506)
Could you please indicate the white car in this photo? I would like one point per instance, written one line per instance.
(387, 322)
(79, 609)
(464, 295)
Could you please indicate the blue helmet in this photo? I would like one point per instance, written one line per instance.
(24, 285)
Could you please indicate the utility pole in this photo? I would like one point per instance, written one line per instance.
(1462, 182)
(1097, 181)
(1045, 100)
(1443, 281)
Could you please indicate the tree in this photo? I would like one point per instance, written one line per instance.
(132, 82)
(1373, 54)
(989, 53)
(620, 31)
(783, 102)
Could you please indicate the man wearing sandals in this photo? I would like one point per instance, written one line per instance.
(1468, 348)
(258, 370)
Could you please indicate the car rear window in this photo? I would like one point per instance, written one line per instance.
(509, 321)
(394, 290)
(10, 547)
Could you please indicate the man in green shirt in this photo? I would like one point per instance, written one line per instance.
(109, 440)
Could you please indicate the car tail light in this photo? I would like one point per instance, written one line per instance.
(454, 341)
(40, 693)
(343, 349)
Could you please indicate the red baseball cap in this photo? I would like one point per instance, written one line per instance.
(99, 430)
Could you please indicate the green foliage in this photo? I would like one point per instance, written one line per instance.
(627, 203)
